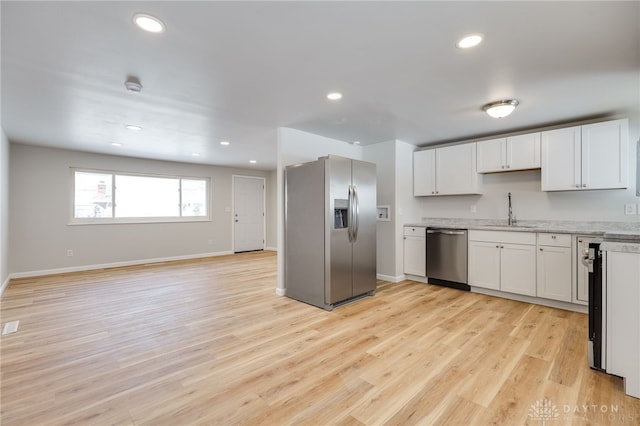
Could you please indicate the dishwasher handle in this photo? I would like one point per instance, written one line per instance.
(453, 232)
(446, 232)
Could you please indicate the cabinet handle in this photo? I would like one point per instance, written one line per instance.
(553, 237)
(584, 185)
(503, 167)
(508, 166)
(578, 186)
(540, 249)
(498, 247)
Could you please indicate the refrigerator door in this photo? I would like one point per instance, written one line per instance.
(338, 283)
(365, 227)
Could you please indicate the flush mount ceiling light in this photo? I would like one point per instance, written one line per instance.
(225, 143)
(133, 127)
(148, 23)
(195, 154)
(116, 144)
(500, 109)
(469, 41)
(334, 96)
(253, 161)
(133, 85)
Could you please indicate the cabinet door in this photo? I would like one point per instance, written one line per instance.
(424, 172)
(484, 264)
(456, 170)
(518, 269)
(554, 273)
(491, 155)
(561, 166)
(605, 150)
(415, 256)
(523, 152)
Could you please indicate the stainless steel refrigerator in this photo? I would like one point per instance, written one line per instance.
(330, 231)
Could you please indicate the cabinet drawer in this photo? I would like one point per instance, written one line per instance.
(554, 240)
(509, 237)
(415, 231)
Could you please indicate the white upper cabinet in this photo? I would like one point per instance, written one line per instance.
(520, 152)
(446, 171)
(424, 172)
(593, 156)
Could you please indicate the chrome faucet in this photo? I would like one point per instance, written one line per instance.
(512, 219)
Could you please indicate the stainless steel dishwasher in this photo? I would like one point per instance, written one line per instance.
(447, 257)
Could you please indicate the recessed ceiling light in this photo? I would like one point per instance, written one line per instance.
(500, 109)
(116, 144)
(334, 96)
(470, 40)
(148, 23)
(133, 127)
(253, 161)
(225, 143)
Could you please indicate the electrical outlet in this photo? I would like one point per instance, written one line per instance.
(69, 253)
(630, 208)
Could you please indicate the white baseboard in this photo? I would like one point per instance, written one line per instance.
(280, 291)
(390, 278)
(535, 300)
(271, 248)
(5, 284)
(29, 274)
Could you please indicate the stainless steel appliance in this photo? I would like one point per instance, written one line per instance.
(597, 307)
(330, 231)
(447, 257)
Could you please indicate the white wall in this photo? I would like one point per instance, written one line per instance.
(295, 146)
(530, 203)
(4, 211)
(272, 211)
(393, 174)
(40, 205)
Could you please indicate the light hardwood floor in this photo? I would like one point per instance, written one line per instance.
(209, 342)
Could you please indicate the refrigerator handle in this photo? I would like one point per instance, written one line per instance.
(356, 213)
(350, 215)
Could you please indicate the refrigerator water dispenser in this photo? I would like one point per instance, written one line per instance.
(340, 216)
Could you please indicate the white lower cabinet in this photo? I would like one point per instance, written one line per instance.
(503, 260)
(415, 250)
(554, 267)
(623, 318)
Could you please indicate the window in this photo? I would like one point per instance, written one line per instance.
(112, 197)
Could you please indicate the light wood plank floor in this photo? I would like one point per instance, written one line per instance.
(209, 342)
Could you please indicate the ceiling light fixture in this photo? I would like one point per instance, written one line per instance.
(133, 127)
(334, 96)
(253, 161)
(133, 85)
(116, 144)
(469, 41)
(225, 143)
(195, 154)
(500, 109)
(148, 23)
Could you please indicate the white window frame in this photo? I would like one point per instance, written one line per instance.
(115, 220)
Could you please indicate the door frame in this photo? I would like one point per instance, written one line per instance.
(233, 209)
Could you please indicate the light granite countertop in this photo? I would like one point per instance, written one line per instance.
(615, 230)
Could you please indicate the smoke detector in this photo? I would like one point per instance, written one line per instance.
(133, 85)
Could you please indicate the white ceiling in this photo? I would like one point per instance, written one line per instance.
(239, 70)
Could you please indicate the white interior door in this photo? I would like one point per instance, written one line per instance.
(248, 213)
